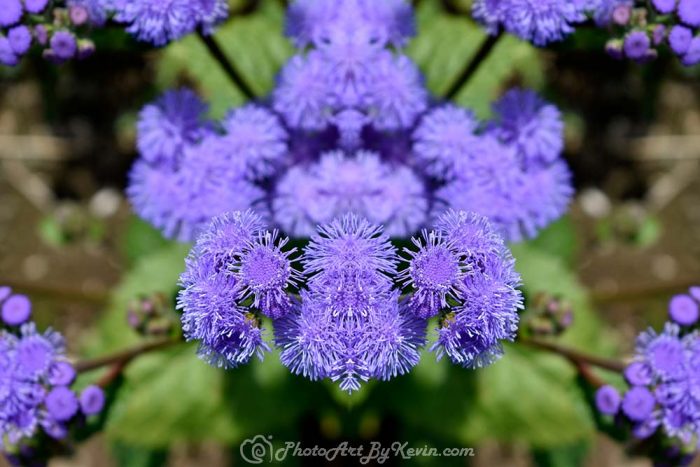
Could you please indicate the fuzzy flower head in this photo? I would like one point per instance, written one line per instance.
(533, 126)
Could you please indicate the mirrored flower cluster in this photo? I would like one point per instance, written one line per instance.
(350, 129)
(36, 399)
(337, 309)
(663, 398)
(640, 27)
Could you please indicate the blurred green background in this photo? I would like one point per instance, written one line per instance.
(69, 240)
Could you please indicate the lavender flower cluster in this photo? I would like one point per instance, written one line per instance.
(35, 380)
(647, 26)
(664, 393)
(341, 316)
(643, 26)
(350, 128)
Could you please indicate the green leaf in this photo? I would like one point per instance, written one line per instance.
(445, 45)
(255, 45)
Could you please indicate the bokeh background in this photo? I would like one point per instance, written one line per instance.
(69, 240)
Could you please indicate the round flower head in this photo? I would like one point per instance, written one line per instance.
(302, 93)
(683, 310)
(488, 13)
(639, 374)
(20, 38)
(692, 56)
(679, 39)
(689, 12)
(471, 234)
(35, 6)
(464, 345)
(61, 403)
(297, 206)
(7, 54)
(34, 352)
(264, 272)
(607, 400)
(637, 44)
(435, 271)
(397, 93)
(10, 13)
(664, 6)
(638, 404)
(61, 374)
(444, 136)
(63, 45)
(533, 126)
(16, 310)
(228, 234)
(542, 21)
(158, 21)
(92, 400)
(664, 352)
(169, 124)
(255, 136)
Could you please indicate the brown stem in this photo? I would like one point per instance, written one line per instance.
(123, 357)
(473, 65)
(574, 356)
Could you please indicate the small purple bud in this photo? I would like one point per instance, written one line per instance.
(78, 14)
(638, 374)
(35, 6)
(638, 403)
(61, 403)
(679, 39)
(63, 44)
(133, 319)
(658, 34)
(4, 293)
(664, 6)
(61, 374)
(614, 48)
(92, 400)
(621, 14)
(16, 310)
(41, 34)
(636, 45)
(693, 291)
(86, 48)
(683, 310)
(607, 399)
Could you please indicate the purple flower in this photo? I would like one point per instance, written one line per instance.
(35, 6)
(393, 196)
(637, 45)
(61, 374)
(158, 21)
(534, 127)
(16, 310)
(689, 12)
(679, 38)
(664, 6)
(255, 136)
(10, 13)
(61, 403)
(92, 400)
(683, 310)
(168, 125)
(264, 272)
(20, 39)
(63, 45)
(607, 400)
(444, 137)
(692, 56)
(211, 14)
(665, 352)
(93, 11)
(7, 53)
(639, 374)
(638, 404)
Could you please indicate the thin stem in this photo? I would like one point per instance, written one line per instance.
(473, 65)
(227, 65)
(574, 356)
(122, 358)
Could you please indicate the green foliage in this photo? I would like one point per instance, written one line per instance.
(254, 43)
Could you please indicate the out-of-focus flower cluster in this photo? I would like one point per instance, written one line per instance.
(350, 128)
(663, 398)
(641, 27)
(36, 399)
(340, 315)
